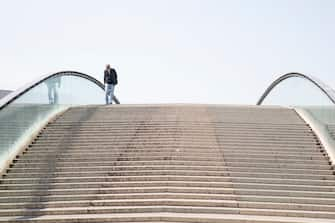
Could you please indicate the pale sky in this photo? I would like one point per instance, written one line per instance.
(170, 51)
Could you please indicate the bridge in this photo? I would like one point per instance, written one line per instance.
(65, 157)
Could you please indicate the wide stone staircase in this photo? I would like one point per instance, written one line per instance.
(171, 163)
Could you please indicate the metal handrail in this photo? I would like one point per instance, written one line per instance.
(328, 91)
(16, 94)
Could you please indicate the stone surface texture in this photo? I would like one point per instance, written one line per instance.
(171, 163)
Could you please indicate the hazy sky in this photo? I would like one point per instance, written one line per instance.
(196, 51)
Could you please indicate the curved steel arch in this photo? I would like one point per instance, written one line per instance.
(328, 91)
(16, 94)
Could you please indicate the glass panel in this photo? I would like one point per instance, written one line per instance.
(64, 90)
(19, 120)
(325, 115)
(296, 91)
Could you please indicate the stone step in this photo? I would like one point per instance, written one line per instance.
(248, 130)
(134, 160)
(136, 124)
(157, 137)
(174, 158)
(162, 217)
(165, 189)
(200, 174)
(172, 142)
(176, 162)
(168, 202)
(38, 156)
(126, 135)
(146, 124)
(156, 209)
(43, 184)
(166, 195)
(247, 170)
(212, 132)
(142, 123)
(71, 152)
(224, 128)
(169, 176)
(162, 147)
(168, 134)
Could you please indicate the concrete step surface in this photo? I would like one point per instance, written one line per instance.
(284, 166)
(171, 163)
(162, 217)
(175, 153)
(166, 202)
(161, 189)
(165, 195)
(289, 178)
(123, 170)
(174, 157)
(176, 209)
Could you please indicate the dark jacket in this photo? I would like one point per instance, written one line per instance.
(110, 77)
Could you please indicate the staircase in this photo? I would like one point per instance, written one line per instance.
(171, 163)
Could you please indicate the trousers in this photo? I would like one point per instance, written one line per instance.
(109, 93)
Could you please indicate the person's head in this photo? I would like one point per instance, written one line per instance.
(108, 66)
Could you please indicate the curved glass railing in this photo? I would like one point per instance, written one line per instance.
(26, 110)
(297, 89)
(313, 100)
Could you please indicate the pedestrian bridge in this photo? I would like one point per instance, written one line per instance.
(65, 157)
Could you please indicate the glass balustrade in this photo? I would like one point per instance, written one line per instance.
(20, 119)
(305, 93)
(296, 91)
(312, 99)
(324, 115)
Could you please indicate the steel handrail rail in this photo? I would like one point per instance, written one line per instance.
(17, 93)
(328, 91)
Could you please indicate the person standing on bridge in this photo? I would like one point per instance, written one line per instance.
(110, 80)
